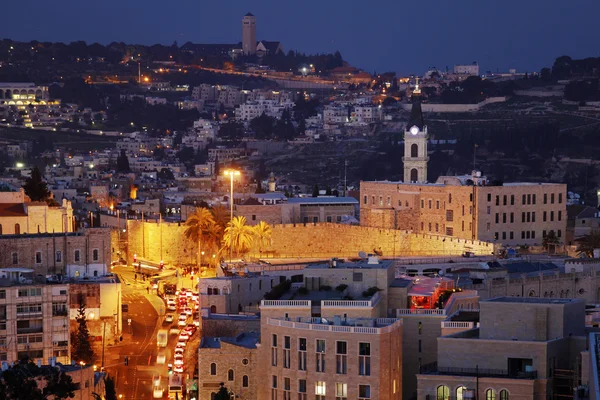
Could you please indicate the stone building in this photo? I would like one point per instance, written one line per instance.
(75, 254)
(465, 207)
(34, 318)
(524, 348)
(232, 361)
(19, 215)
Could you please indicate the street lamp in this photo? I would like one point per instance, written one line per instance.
(231, 173)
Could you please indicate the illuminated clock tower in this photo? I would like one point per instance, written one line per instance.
(415, 143)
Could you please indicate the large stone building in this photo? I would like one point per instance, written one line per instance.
(524, 348)
(19, 215)
(467, 206)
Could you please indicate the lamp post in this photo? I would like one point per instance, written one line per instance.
(231, 173)
(201, 258)
(82, 364)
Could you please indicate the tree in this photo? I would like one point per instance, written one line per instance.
(123, 163)
(59, 386)
(165, 174)
(231, 130)
(197, 226)
(223, 393)
(550, 240)
(35, 187)
(238, 236)
(262, 234)
(80, 339)
(315, 192)
(20, 382)
(109, 388)
(588, 243)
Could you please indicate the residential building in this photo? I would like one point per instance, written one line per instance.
(581, 221)
(34, 317)
(365, 113)
(467, 69)
(231, 361)
(335, 114)
(22, 93)
(524, 348)
(249, 34)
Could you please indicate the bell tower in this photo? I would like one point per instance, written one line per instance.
(415, 142)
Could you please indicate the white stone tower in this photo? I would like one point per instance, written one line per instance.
(272, 182)
(415, 142)
(249, 34)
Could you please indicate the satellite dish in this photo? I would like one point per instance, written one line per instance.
(362, 254)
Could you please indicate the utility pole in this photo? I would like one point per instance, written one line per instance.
(139, 73)
(345, 177)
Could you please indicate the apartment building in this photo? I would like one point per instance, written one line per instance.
(467, 207)
(34, 317)
(253, 109)
(229, 360)
(524, 348)
(335, 114)
(365, 113)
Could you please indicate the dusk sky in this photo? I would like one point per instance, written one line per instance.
(402, 36)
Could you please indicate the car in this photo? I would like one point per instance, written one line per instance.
(189, 294)
(179, 350)
(181, 343)
(158, 392)
(161, 358)
(188, 311)
(156, 380)
(169, 318)
(172, 306)
(196, 322)
(191, 328)
(196, 307)
(178, 359)
(183, 315)
(183, 336)
(178, 369)
(182, 322)
(195, 297)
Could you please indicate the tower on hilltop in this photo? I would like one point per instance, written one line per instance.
(249, 34)
(415, 142)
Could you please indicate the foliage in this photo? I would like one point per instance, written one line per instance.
(165, 174)
(123, 163)
(80, 339)
(231, 130)
(35, 187)
(370, 292)
(550, 240)
(198, 226)
(262, 235)
(223, 393)
(305, 109)
(279, 290)
(588, 243)
(19, 382)
(325, 288)
(238, 236)
(303, 290)
(315, 191)
(341, 287)
(263, 126)
(110, 388)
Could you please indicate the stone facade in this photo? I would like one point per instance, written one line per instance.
(233, 294)
(512, 214)
(234, 365)
(78, 254)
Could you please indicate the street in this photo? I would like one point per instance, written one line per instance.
(146, 313)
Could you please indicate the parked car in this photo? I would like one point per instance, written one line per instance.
(178, 359)
(183, 336)
(178, 369)
(169, 318)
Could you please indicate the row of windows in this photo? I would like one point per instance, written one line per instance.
(388, 203)
(341, 389)
(524, 234)
(230, 374)
(443, 393)
(526, 199)
(341, 351)
(58, 256)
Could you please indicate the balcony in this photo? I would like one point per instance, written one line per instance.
(420, 311)
(369, 326)
(433, 369)
(286, 303)
(60, 312)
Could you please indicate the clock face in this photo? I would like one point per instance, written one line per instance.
(414, 130)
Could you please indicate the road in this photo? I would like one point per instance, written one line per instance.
(146, 311)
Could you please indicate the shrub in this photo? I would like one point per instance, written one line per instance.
(303, 290)
(371, 291)
(342, 287)
(325, 288)
(278, 291)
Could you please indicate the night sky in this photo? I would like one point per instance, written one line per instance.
(385, 35)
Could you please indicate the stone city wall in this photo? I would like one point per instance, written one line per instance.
(310, 240)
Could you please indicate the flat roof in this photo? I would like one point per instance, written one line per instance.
(530, 300)
(323, 200)
(362, 264)
(247, 340)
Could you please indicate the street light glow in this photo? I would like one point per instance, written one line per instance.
(231, 172)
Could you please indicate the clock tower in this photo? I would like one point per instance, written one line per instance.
(415, 142)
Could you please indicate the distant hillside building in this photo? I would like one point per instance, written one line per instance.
(264, 48)
(467, 69)
(249, 34)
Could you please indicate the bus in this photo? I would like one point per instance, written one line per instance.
(175, 387)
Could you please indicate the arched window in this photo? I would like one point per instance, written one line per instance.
(17, 229)
(414, 175)
(245, 381)
(213, 309)
(414, 150)
(215, 291)
(504, 394)
(95, 272)
(239, 308)
(443, 392)
(490, 394)
(230, 375)
(532, 293)
(460, 392)
(213, 369)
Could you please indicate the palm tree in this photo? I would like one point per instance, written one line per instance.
(198, 225)
(588, 243)
(220, 215)
(262, 235)
(238, 236)
(550, 240)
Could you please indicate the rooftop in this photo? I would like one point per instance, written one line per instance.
(323, 200)
(530, 300)
(247, 340)
(337, 324)
(362, 264)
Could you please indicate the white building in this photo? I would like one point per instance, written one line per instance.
(252, 109)
(365, 113)
(335, 114)
(467, 69)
